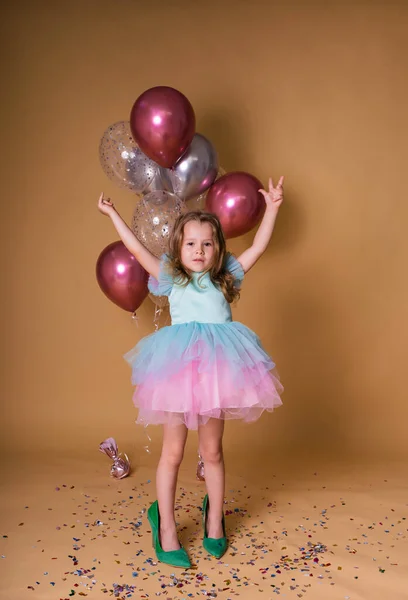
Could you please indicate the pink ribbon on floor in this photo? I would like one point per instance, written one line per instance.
(121, 464)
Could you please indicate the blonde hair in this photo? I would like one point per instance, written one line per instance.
(217, 271)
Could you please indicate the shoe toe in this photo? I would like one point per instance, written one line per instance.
(175, 558)
(215, 547)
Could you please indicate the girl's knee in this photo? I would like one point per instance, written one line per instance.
(173, 455)
(211, 453)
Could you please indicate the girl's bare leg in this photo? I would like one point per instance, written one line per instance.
(174, 440)
(210, 444)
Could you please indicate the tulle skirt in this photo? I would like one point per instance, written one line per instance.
(192, 372)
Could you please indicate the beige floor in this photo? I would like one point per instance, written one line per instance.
(69, 530)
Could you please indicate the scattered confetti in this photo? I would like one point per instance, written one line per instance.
(277, 544)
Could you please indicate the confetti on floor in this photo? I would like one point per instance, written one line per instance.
(78, 538)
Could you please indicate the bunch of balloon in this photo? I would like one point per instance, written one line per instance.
(160, 157)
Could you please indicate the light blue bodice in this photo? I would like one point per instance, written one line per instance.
(201, 300)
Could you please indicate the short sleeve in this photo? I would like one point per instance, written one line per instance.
(164, 284)
(235, 268)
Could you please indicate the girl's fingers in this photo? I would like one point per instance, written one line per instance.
(104, 202)
(280, 184)
(276, 195)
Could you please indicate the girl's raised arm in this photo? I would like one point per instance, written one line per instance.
(273, 200)
(142, 254)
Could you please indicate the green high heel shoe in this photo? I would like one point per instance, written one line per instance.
(175, 558)
(214, 546)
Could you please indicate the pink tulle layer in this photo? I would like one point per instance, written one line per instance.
(195, 395)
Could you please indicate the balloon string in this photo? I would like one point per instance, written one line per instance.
(157, 314)
(146, 447)
(135, 318)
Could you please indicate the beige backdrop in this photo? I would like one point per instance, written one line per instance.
(316, 91)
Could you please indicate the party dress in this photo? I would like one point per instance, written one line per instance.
(204, 364)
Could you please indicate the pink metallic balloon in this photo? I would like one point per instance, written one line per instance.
(121, 278)
(162, 121)
(235, 199)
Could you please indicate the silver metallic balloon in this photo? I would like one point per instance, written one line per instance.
(123, 161)
(154, 218)
(196, 170)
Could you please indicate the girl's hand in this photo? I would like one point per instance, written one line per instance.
(105, 205)
(274, 197)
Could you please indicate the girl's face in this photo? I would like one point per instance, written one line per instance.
(197, 247)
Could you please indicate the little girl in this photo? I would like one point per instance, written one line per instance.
(202, 369)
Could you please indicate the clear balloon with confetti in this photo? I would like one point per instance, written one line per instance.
(154, 218)
(123, 161)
